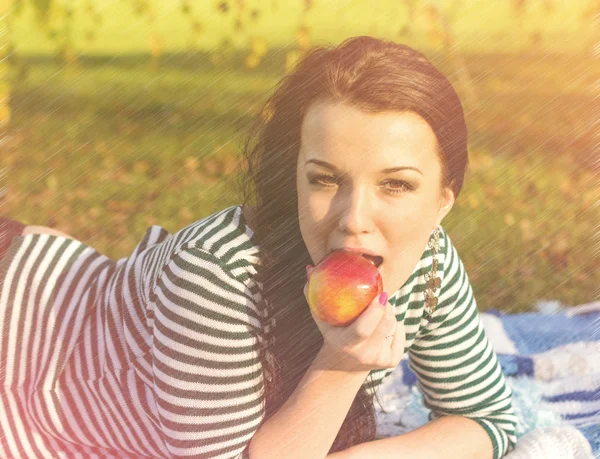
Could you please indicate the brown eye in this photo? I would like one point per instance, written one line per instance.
(400, 186)
(320, 179)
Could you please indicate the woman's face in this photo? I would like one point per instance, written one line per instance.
(353, 202)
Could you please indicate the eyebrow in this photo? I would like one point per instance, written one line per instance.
(389, 170)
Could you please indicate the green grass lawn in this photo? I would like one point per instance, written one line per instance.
(107, 149)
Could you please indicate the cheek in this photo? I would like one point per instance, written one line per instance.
(403, 223)
(312, 206)
(313, 227)
(413, 217)
(310, 217)
(406, 235)
(305, 217)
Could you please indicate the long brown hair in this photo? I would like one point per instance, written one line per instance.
(375, 76)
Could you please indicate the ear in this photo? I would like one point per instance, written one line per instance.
(446, 204)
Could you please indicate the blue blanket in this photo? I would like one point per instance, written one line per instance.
(554, 355)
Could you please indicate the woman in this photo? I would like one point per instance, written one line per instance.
(201, 343)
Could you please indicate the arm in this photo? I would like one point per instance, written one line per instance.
(307, 424)
(446, 437)
(207, 377)
(461, 382)
(458, 372)
(205, 365)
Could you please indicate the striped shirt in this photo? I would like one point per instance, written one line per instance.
(157, 354)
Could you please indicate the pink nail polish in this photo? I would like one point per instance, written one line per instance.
(307, 271)
(383, 298)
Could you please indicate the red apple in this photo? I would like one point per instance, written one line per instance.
(341, 287)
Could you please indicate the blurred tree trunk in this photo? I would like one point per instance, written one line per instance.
(5, 66)
(67, 51)
(440, 23)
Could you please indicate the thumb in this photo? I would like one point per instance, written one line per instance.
(309, 269)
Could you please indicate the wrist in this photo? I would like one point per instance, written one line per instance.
(332, 359)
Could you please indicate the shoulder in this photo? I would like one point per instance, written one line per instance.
(225, 238)
(444, 258)
(455, 289)
(453, 271)
(454, 296)
(223, 234)
(197, 275)
(200, 286)
(445, 253)
(211, 266)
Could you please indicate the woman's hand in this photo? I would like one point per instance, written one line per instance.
(363, 345)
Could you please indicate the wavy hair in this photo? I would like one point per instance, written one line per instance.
(375, 76)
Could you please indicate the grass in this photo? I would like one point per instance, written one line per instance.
(106, 149)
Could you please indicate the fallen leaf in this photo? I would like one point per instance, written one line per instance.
(259, 46)
(252, 61)
(191, 163)
(141, 167)
(566, 188)
(94, 212)
(302, 38)
(185, 214)
(52, 182)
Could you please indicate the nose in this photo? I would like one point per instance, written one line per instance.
(356, 215)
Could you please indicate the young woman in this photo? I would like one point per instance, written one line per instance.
(201, 343)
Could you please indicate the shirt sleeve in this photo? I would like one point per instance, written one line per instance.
(208, 379)
(457, 370)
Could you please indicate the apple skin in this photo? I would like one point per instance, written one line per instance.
(342, 286)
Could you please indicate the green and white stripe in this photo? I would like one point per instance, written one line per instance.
(156, 354)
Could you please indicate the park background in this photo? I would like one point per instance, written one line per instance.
(118, 115)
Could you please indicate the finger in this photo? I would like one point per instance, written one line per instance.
(369, 320)
(309, 269)
(388, 325)
(399, 342)
(316, 319)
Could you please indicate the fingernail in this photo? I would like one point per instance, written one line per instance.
(308, 269)
(383, 298)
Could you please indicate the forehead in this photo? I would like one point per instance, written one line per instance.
(344, 133)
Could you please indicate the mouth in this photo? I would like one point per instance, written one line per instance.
(376, 260)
